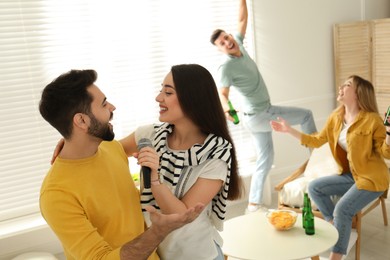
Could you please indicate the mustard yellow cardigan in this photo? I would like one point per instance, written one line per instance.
(366, 147)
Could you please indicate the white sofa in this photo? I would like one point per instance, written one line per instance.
(321, 163)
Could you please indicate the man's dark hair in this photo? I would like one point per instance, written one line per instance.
(215, 35)
(66, 96)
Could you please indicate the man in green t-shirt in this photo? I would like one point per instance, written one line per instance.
(241, 72)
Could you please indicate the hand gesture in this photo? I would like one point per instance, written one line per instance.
(280, 125)
(164, 224)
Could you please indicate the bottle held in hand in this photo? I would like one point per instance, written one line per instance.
(386, 121)
(233, 113)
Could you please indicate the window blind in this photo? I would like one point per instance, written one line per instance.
(131, 44)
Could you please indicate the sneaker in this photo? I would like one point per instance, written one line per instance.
(256, 207)
(253, 207)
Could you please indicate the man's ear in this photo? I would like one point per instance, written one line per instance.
(81, 121)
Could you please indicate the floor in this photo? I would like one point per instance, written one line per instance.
(375, 239)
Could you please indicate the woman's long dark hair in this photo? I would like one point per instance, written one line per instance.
(198, 97)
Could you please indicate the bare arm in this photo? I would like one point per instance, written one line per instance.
(242, 17)
(143, 246)
(129, 144)
(203, 191)
(224, 97)
(283, 126)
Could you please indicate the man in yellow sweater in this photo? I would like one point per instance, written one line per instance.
(88, 197)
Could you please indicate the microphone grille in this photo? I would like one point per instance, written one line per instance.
(144, 142)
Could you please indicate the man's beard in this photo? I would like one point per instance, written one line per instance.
(101, 130)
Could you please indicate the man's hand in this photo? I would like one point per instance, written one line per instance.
(163, 224)
(228, 116)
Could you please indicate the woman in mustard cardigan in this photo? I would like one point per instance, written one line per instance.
(359, 142)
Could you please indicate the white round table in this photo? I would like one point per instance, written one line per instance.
(251, 237)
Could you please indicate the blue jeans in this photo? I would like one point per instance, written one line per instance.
(259, 126)
(352, 201)
(220, 255)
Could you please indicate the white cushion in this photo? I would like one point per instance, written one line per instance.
(321, 163)
(292, 192)
(35, 256)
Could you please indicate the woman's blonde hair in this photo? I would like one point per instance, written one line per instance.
(365, 94)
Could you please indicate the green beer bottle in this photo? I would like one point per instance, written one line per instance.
(233, 113)
(309, 220)
(305, 206)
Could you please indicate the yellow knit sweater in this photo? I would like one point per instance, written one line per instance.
(92, 204)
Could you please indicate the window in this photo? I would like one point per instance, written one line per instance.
(131, 44)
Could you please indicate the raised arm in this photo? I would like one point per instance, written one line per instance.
(242, 17)
(129, 144)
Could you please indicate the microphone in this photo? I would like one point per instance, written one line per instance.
(145, 171)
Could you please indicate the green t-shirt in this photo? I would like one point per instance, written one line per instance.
(242, 74)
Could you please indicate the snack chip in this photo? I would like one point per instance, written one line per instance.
(282, 219)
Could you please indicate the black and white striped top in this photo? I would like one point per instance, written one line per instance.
(176, 167)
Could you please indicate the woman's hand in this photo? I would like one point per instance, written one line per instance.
(148, 157)
(57, 150)
(387, 139)
(280, 125)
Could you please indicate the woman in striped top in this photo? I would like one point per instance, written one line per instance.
(192, 160)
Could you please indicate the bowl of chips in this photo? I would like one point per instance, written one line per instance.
(282, 219)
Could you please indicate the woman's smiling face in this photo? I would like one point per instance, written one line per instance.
(170, 110)
(347, 91)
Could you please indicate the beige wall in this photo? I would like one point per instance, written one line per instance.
(294, 50)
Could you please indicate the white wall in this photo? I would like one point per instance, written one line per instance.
(294, 50)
